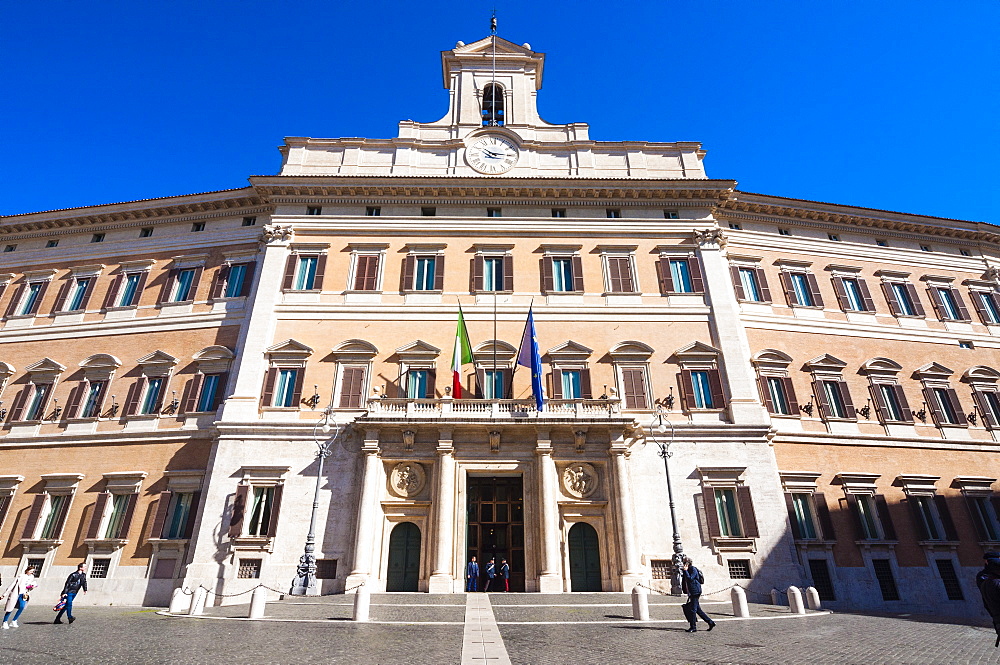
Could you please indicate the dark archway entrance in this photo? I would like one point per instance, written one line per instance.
(584, 558)
(404, 558)
(496, 526)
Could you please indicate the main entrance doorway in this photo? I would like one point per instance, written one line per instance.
(404, 558)
(584, 558)
(496, 527)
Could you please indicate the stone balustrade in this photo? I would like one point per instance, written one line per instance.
(493, 409)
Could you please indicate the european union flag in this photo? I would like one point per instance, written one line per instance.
(528, 356)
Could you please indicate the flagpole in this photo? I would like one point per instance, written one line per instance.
(493, 378)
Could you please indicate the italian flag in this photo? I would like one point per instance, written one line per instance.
(461, 356)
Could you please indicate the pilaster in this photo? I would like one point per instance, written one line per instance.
(442, 579)
(631, 573)
(550, 579)
(368, 512)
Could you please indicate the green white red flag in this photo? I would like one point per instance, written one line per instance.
(462, 355)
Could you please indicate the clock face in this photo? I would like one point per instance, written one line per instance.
(492, 154)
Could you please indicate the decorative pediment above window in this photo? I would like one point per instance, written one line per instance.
(9, 483)
(355, 349)
(772, 360)
(484, 353)
(853, 481)
(722, 475)
(61, 483)
(881, 367)
(799, 481)
(45, 370)
(290, 349)
(917, 483)
(631, 351)
(6, 369)
(157, 363)
(124, 482)
(570, 352)
(933, 371)
(697, 353)
(825, 364)
(189, 261)
(418, 351)
(974, 484)
(981, 375)
(214, 359)
(184, 480)
(100, 366)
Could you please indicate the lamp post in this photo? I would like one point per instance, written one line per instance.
(305, 574)
(678, 556)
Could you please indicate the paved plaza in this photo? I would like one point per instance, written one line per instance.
(523, 629)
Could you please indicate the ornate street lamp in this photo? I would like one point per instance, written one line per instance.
(305, 573)
(677, 559)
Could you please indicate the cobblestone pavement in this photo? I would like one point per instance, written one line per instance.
(534, 628)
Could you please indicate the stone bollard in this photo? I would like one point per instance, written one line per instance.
(740, 608)
(775, 597)
(795, 600)
(640, 604)
(812, 598)
(180, 602)
(198, 602)
(362, 603)
(258, 600)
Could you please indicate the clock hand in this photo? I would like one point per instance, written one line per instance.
(492, 154)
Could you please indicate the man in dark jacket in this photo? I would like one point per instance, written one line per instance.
(988, 581)
(491, 572)
(74, 583)
(472, 575)
(691, 581)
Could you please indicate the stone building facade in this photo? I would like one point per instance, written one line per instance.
(824, 377)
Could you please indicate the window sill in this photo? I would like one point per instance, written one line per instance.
(175, 303)
(252, 544)
(105, 543)
(302, 290)
(938, 544)
(876, 543)
(123, 308)
(40, 544)
(733, 544)
(429, 292)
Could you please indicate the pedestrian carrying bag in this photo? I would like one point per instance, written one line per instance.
(60, 605)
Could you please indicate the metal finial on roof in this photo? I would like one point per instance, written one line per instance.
(493, 23)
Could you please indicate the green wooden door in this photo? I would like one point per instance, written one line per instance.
(584, 558)
(404, 558)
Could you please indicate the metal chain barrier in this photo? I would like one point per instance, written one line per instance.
(723, 590)
(262, 586)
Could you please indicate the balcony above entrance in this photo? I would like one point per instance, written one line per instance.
(509, 410)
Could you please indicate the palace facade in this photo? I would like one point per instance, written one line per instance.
(824, 377)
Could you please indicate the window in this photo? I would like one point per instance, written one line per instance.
(613, 213)
(702, 392)
(116, 519)
(256, 507)
(944, 406)
(671, 214)
(561, 274)
(163, 569)
(750, 284)
(735, 227)
(891, 403)
(866, 513)
(729, 518)
(833, 236)
(184, 285)
(352, 386)
(424, 273)
(314, 210)
(571, 384)
(197, 227)
(31, 299)
(417, 383)
(260, 512)
(948, 304)
(853, 294)
(801, 289)
(9, 248)
(493, 105)
(249, 569)
(366, 272)
(304, 272)
(739, 569)
(926, 520)
(39, 398)
(211, 385)
(801, 512)
(305, 275)
(373, 211)
(236, 280)
(249, 221)
(661, 569)
(819, 570)
(619, 276)
(925, 248)
(428, 211)
(966, 344)
(729, 511)
(952, 587)
(52, 243)
(984, 516)
(326, 569)
(179, 513)
(902, 299)
(131, 288)
(74, 294)
(146, 232)
(634, 390)
(493, 212)
(37, 564)
(93, 400)
(496, 275)
(965, 252)
(701, 389)
(284, 394)
(779, 396)
(886, 580)
(556, 212)
(834, 400)
(988, 402)
(152, 396)
(99, 568)
(784, 232)
(680, 275)
(882, 243)
(97, 237)
(58, 507)
(988, 305)
(493, 384)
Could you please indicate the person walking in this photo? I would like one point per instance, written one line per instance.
(491, 572)
(505, 573)
(17, 596)
(691, 581)
(472, 575)
(988, 581)
(75, 582)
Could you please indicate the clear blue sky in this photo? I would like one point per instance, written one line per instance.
(888, 105)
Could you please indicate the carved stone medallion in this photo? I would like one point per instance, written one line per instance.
(407, 479)
(580, 480)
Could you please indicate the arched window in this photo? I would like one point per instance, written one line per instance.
(493, 115)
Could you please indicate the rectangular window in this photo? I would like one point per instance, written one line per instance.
(30, 301)
(92, 405)
(729, 516)
(952, 587)
(992, 403)
(57, 503)
(819, 570)
(428, 212)
(800, 286)
(180, 512)
(882, 243)
(620, 274)
(902, 295)
(949, 308)
(559, 212)
(234, 281)
(739, 569)
(326, 569)
(751, 289)
(130, 290)
(284, 393)
(886, 580)
(249, 221)
(702, 390)
(146, 232)
(197, 227)
(562, 274)
(924, 512)
(305, 274)
(416, 383)
(11, 248)
(735, 227)
(37, 564)
(613, 213)
(249, 569)
(988, 306)
(260, 513)
(493, 387)
(76, 294)
(784, 232)
(36, 407)
(97, 237)
(423, 278)
(893, 408)
(802, 507)
(366, 272)
(982, 515)
(855, 300)
(119, 506)
(572, 387)
(164, 569)
(831, 390)
(661, 569)
(945, 407)
(52, 243)
(493, 212)
(373, 211)
(314, 210)
(680, 273)
(925, 248)
(866, 512)
(151, 401)
(182, 286)
(99, 568)
(634, 384)
(833, 236)
(776, 390)
(493, 276)
(209, 390)
(352, 386)
(671, 214)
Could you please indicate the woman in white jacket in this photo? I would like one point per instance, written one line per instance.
(16, 595)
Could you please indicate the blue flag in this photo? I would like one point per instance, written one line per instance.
(528, 356)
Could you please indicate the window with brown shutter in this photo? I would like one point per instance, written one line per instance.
(5, 501)
(988, 403)
(160, 516)
(748, 517)
(62, 294)
(289, 278)
(272, 524)
(239, 511)
(219, 283)
(634, 385)
(352, 387)
(31, 524)
(577, 274)
(620, 274)
(366, 272)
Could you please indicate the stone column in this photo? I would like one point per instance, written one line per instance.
(369, 514)
(257, 332)
(728, 332)
(550, 579)
(631, 572)
(442, 578)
